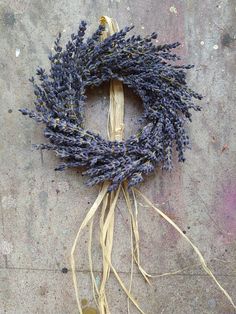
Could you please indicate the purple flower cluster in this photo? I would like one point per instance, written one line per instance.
(136, 61)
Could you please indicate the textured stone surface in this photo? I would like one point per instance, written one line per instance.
(41, 210)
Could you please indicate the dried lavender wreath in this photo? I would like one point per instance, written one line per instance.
(146, 68)
(167, 100)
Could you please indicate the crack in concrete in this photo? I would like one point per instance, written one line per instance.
(121, 272)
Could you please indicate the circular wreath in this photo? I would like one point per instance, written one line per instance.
(146, 68)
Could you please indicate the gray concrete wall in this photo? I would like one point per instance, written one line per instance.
(41, 210)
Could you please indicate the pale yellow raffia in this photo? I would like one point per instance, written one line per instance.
(134, 220)
(132, 263)
(94, 283)
(199, 254)
(115, 132)
(107, 264)
(87, 219)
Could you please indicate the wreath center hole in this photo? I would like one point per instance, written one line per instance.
(97, 107)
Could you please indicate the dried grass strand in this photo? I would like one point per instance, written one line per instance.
(197, 251)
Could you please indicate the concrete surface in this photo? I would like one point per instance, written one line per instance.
(41, 210)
